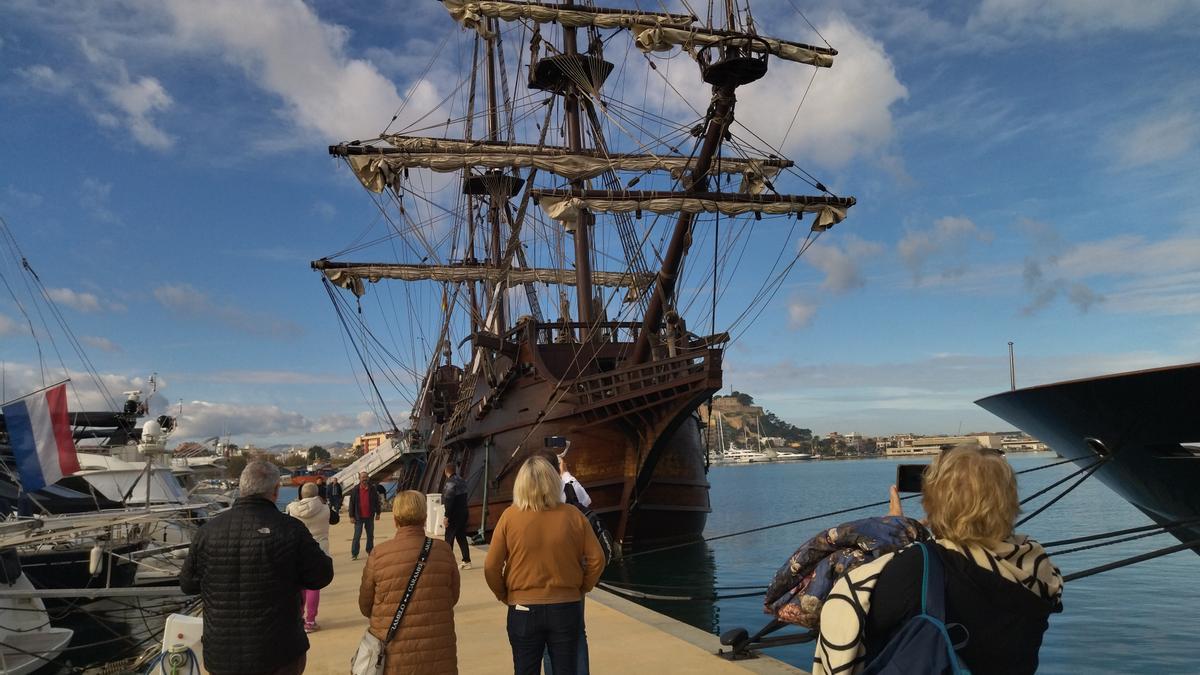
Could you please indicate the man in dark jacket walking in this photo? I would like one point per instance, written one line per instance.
(335, 496)
(249, 565)
(454, 500)
(365, 507)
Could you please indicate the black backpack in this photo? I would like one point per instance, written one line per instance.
(607, 544)
(923, 645)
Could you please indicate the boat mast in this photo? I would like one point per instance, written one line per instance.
(719, 118)
(583, 254)
(494, 206)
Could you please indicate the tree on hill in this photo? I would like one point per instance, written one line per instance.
(744, 399)
(316, 452)
(772, 425)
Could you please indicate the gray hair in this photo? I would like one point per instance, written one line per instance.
(259, 478)
(309, 490)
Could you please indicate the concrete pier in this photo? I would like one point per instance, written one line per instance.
(622, 636)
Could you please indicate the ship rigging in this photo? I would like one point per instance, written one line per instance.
(563, 267)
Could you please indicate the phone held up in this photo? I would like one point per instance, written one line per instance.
(910, 477)
(556, 441)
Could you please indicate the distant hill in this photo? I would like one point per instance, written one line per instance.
(742, 419)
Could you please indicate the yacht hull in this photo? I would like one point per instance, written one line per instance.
(1145, 423)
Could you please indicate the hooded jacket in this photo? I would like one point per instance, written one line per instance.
(315, 515)
(249, 565)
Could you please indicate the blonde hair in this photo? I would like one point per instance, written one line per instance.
(309, 490)
(538, 486)
(970, 495)
(408, 507)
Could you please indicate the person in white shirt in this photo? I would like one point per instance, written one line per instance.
(567, 479)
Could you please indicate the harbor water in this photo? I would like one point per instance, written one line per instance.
(1142, 618)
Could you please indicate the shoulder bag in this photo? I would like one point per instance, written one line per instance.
(371, 654)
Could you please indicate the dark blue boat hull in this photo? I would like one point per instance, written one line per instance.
(1147, 423)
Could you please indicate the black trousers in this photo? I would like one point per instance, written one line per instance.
(457, 531)
(538, 628)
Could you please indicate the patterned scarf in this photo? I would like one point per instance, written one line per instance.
(841, 647)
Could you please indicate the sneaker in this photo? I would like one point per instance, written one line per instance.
(310, 627)
(464, 565)
(354, 557)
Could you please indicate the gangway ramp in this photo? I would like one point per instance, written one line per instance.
(376, 461)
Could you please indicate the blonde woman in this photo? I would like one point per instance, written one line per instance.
(1000, 587)
(543, 559)
(313, 512)
(425, 643)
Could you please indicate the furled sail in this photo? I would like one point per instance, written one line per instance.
(380, 167)
(565, 205)
(661, 37)
(654, 31)
(351, 275)
(469, 14)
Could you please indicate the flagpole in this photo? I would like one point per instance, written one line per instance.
(36, 391)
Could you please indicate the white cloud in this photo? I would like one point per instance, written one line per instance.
(847, 112)
(924, 395)
(45, 78)
(133, 101)
(1065, 18)
(324, 210)
(946, 241)
(94, 197)
(18, 197)
(1155, 138)
(7, 325)
(202, 419)
(800, 313)
(841, 262)
(185, 299)
(287, 50)
(272, 377)
(82, 301)
(101, 343)
(84, 392)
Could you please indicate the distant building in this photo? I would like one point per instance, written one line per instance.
(368, 442)
(932, 445)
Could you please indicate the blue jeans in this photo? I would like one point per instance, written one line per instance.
(541, 627)
(359, 525)
(582, 667)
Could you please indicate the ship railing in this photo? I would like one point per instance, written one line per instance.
(688, 364)
(551, 332)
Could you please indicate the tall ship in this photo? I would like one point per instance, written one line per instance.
(1139, 431)
(559, 237)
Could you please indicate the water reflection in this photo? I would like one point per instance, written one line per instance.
(688, 571)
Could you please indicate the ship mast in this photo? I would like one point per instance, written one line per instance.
(583, 254)
(718, 120)
(494, 207)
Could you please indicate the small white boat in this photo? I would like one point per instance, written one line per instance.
(27, 640)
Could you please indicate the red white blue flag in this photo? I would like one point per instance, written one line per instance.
(39, 432)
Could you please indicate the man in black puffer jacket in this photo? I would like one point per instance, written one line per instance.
(249, 565)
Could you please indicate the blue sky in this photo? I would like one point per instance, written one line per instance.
(1025, 171)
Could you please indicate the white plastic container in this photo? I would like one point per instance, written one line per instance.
(182, 630)
(434, 514)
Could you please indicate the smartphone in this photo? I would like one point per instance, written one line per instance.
(556, 441)
(910, 477)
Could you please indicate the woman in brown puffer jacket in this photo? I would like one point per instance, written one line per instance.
(425, 643)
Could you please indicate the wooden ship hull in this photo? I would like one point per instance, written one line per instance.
(636, 443)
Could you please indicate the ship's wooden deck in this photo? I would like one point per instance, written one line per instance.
(622, 636)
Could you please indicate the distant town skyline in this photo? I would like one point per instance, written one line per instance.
(1022, 174)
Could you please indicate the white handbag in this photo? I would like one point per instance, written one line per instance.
(371, 655)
